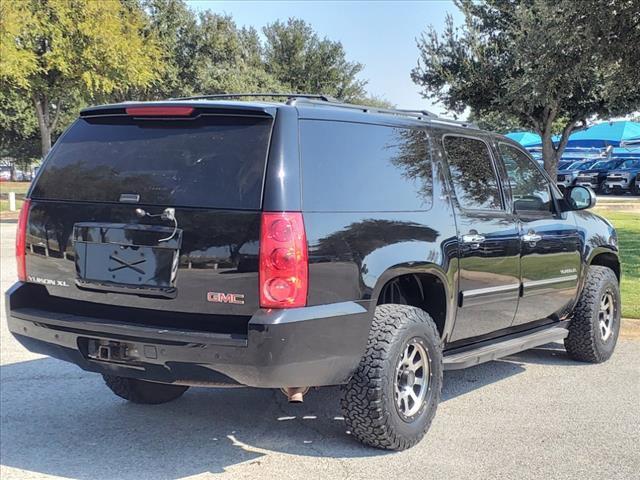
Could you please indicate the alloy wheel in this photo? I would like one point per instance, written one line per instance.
(606, 315)
(412, 379)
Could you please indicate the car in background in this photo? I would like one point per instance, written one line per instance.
(567, 177)
(23, 176)
(625, 177)
(5, 175)
(596, 175)
(563, 164)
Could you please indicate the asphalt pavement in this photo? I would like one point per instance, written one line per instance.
(530, 416)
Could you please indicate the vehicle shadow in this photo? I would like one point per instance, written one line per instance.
(59, 420)
(549, 354)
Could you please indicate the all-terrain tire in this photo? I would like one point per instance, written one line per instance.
(586, 342)
(140, 391)
(369, 402)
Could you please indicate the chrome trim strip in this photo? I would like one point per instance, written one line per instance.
(478, 292)
(550, 281)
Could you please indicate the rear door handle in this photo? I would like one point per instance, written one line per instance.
(531, 237)
(473, 238)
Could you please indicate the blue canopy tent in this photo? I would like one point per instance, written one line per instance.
(627, 152)
(604, 134)
(526, 139)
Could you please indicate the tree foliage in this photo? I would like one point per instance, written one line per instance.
(57, 52)
(208, 53)
(495, 121)
(303, 62)
(545, 64)
(204, 53)
(18, 126)
(60, 55)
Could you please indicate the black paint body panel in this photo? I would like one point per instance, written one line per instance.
(303, 346)
(218, 252)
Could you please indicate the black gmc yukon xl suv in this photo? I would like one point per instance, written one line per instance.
(306, 243)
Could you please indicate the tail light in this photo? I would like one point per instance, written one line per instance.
(21, 240)
(284, 269)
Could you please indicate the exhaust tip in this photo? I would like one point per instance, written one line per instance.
(295, 394)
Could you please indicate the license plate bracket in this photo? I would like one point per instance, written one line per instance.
(126, 256)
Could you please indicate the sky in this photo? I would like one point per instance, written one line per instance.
(379, 34)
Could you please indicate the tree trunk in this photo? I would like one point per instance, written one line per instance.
(42, 113)
(45, 140)
(549, 153)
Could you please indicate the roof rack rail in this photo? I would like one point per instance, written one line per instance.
(426, 113)
(324, 98)
(460, 123)
(417, 114)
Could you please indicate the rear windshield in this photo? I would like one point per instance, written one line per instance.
(215, 162)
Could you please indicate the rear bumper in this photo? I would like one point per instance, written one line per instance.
(312, 346)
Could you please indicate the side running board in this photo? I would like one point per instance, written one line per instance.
(501, 347)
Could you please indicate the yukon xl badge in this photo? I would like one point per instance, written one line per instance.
(233, 298)
(48, 281)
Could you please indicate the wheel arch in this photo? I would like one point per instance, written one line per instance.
(427, 288)
(606, 258)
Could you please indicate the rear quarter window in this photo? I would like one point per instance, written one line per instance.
(472, 173)
(215, 162)
(353, 167)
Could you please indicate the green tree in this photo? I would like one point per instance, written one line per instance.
(304, 63)
(176, 30)
(208, 53)
(548, 65)
(58, 51)
(204, 53)
(60, 55)
(228, 58)
(502, 122)
(18, 126)
(373, 101)
(496, 121)
(19, 135)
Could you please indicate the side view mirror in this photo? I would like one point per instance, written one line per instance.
(580, 197)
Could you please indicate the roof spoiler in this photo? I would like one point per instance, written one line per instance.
(184, 110)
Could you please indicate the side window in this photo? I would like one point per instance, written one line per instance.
(474, 178)
(530, 189)
(355, 167)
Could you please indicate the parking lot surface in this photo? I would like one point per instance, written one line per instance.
(532, 415)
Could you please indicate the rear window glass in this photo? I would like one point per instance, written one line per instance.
(215, 162)
(353, 167)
